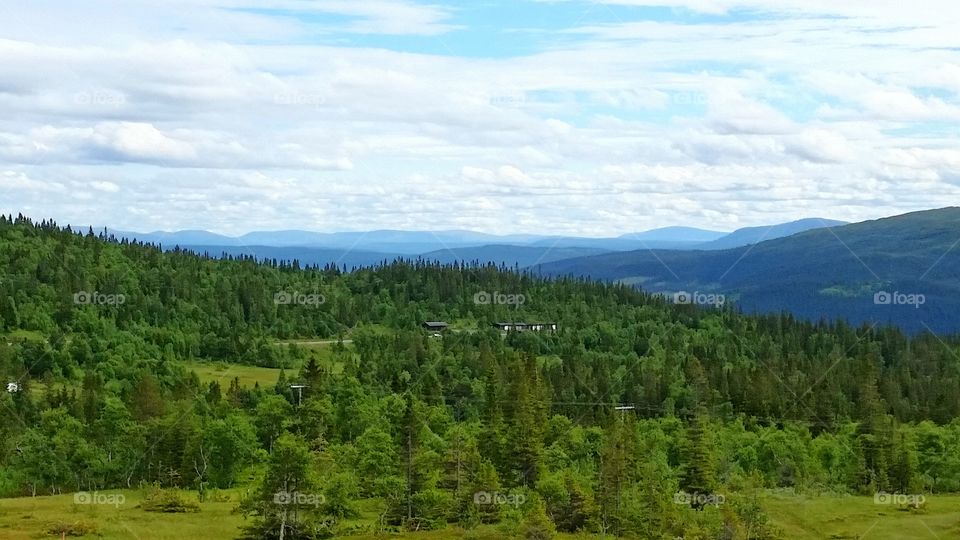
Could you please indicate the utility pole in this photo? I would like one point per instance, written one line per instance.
(299, 388)
(622, 409)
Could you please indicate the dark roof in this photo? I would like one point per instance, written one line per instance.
(435, 323)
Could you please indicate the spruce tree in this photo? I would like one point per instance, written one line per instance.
(698, 478)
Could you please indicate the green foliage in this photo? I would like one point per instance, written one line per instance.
(81, 527)
(433, 429)
(536, 525)
(168, 501)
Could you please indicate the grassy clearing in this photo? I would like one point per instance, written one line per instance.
(224, 372)
(816, 518)
(22, 336)
(799, 517)
(32, 518)
(248, 375)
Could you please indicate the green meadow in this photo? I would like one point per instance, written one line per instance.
(798, 517)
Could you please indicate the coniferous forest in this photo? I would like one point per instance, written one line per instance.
(635, 418)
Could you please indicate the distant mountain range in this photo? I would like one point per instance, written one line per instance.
(513, 250)
(903, 270)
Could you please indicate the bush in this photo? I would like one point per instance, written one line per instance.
(432, 507)
(169, 501)
(77, 528)
(536, 525)
(307, 529)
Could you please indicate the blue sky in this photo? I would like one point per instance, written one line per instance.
(494, 29)
(580, 117)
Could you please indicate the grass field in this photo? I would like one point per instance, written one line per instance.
(224, 372)
(817, 518)
(248, 375)
(799, 517)
(31, 518)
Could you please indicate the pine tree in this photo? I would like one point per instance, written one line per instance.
(312, 375)
(904, 471)
(492, 438)
(874, 438)
(525, 432)
(618, 470)
(698, 477)
(411, 442)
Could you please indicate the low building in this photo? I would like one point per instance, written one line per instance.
(525, 327)
(435, 326)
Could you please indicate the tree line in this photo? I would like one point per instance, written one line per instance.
(636, 418)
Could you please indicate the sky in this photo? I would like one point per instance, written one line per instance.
(589, 118)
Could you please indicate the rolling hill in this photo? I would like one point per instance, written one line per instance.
(754, 235)
(829, 272)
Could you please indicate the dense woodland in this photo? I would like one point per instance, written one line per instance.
(472, 427)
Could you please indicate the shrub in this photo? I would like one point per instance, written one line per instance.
(536, 525)
(168, 501)
(77, 528)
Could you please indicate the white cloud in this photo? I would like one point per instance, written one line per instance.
(272, 118)
(108, 187)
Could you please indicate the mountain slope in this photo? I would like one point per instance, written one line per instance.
(675, 234)
(753, 235)
(825, 272)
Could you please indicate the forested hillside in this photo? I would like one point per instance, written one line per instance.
(636, 418)
(831, 272)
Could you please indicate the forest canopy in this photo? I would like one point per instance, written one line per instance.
(634, 417)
